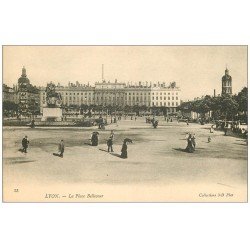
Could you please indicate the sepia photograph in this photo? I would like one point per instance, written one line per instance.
(125, 123)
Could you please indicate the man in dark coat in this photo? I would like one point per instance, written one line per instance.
(25, 143)
(110, 144)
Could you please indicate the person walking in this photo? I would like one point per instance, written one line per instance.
(25, 144)
(110, 144)
(61, 148)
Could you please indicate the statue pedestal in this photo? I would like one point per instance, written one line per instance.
(52, 114)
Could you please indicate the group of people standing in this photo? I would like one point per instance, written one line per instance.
(110, 142)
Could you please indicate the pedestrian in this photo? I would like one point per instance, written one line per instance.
(110, 144)
(225, 130)
(61, 148)
(25, 144)
(190, 147)
(135, 118)
(124, 151)
(32, 125)
(193, 140)
(94, 139)
(155, 124)
(112, 135)
(212, 129)
(209, 139)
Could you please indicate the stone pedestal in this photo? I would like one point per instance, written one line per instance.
(52, 114)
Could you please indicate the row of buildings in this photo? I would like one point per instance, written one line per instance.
(105, 93)
(148, 94)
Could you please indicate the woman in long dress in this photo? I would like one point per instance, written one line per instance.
(190, 147)
(94, 139)
(124, 151)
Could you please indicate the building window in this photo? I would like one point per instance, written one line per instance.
(168, 103)
(177, 104)
(172, 98)
(168, 98)
(172, 103)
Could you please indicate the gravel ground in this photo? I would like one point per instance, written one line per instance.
(157, 168)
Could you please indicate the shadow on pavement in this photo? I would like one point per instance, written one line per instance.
(111, 153)
(180, 149)
(55, 154)
(115, 154)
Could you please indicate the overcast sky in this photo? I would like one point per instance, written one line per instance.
(197, 70)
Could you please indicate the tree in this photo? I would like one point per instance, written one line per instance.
(229, 107)
(242, 99)
(9, 107)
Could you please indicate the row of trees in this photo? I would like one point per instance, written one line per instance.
(27, 109)
(107, 109)
(232, 107)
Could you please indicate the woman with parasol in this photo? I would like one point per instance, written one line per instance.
(124, 151)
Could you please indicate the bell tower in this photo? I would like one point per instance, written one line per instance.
(226, 83)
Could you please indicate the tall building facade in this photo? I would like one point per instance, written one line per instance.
(9, 94)
(28, 95)
(157, 95)
(226, 83)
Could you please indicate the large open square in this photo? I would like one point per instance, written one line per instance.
(157, 168)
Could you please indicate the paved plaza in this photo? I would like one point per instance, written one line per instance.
(157, 168)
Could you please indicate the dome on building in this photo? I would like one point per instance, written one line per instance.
(23, 79)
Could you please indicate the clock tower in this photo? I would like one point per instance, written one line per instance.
(226, 83)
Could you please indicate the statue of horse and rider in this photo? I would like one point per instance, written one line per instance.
(53, 98)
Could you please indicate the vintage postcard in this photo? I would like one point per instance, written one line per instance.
(125, 123)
